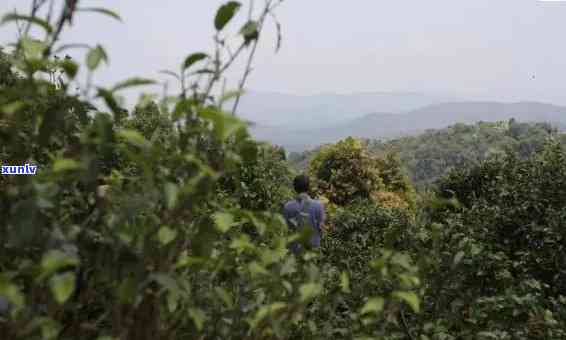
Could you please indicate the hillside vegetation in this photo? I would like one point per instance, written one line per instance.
(432, 154)
(164, 222)
(395, 125)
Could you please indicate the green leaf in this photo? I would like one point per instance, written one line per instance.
(134, 138)
(224, 296)
(166, 235)
(111, 102)
(373, 305)
(11, 292)
(65, 164)
(204, 71)
(12, 107)
(187, 261)
(33, 49)
(224, 125)
(223, 221)
(488, 335)
(34, 20)
(69, 46)
(127, 290)
(54, 260)
(62, 286)
(265, 311)
(95, 56)
(171, 73)
(192, 59)
(250, 31)
(50, 329)
(166, 281)
(308, 291)
(132, 82)
(410, 298)
(171, 191)
(225, 13)
(146, 99)
(71, 68)
(104, 11)
(241, 244)
(257, 269)
(345, 282)
(459, 256)
(198, 317)
(230, 95)
(402, 260)
(173, 301)
(289, 266)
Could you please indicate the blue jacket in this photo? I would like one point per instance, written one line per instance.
(316, 213)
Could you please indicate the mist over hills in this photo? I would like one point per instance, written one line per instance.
(327, 109)
(392, 125)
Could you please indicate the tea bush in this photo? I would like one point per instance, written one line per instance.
(137, 226)
(345, 172)
(491, 256)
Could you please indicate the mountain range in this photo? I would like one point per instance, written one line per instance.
(288, 111)
(386, 125)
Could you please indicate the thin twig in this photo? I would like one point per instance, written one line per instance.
(19, 27)
(223, 91)
(233, 57)
(244, 77)
(35, 6)
(66, 16)
(217, 69)
(248, 69)
(51, 10)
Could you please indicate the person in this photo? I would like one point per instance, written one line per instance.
(303, 211)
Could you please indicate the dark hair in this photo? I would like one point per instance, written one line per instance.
(301, 184)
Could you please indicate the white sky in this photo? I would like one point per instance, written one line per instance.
(486, 48)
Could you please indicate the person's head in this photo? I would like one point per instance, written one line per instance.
(301, 184)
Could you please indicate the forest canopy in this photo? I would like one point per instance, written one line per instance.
(432, 154)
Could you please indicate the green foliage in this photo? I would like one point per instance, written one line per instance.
(225, 13)
(431, 155)
(193, 58)
(161, 223)
(362, 235)
(494, 256)
(346, 172)
(263, 181)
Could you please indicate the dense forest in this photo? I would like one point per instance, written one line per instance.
(163, 222)
(401, 124)
(432, 154)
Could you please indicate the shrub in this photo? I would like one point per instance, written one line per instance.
(492, 261)
(345, 172)
(127, 232)
(262, 182)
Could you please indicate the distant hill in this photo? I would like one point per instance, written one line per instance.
(387, 125)
(430, 155)
(326, 110)
(433, 153)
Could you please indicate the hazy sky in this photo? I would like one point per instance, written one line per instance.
(486, 48)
